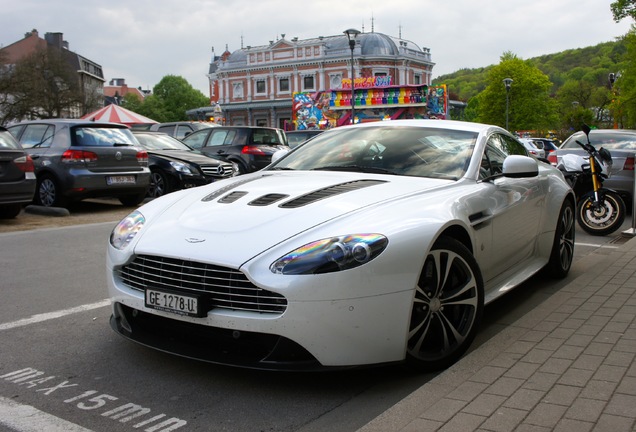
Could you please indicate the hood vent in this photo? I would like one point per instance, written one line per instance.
(267, 199)
(214, 195)
(232, 196)
(329, 192)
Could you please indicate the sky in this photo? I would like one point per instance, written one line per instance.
(142, 41)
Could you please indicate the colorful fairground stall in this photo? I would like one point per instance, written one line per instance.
(375, 100)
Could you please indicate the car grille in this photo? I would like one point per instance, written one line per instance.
(222, 170)
(219, 287)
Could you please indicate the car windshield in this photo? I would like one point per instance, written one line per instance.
(611, 141)
(410, 151)
(102, 136)
(160, 142)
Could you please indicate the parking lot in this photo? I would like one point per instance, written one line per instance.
(61, 360)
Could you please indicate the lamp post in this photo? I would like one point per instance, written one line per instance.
(612, 79)
(351, 36)
(507, 82)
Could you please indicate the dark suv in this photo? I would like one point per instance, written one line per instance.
(77, 159)
(250, 147)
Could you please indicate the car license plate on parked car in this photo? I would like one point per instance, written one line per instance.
(116, 180)
(173, 302)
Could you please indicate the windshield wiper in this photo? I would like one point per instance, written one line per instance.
(355, 168)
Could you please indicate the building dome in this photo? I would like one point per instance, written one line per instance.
(374, 44)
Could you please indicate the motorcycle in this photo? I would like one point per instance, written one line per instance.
(600, 211)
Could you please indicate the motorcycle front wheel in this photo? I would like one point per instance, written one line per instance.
(604, 218)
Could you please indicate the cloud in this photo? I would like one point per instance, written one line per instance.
(142, 41)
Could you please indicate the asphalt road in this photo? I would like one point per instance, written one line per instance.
(63, 369)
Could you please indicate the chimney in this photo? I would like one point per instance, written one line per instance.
(55, 39)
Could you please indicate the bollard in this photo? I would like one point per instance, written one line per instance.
(631, 232)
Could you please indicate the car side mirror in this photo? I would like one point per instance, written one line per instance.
(279, 154)
(517, 166)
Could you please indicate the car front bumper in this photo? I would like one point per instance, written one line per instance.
(308, 335)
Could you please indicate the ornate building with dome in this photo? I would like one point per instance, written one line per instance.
(257, 85)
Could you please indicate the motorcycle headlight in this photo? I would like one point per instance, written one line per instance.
(331, 255)
(126, 230)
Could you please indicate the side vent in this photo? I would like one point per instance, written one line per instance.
(330, 191)
(267, 199)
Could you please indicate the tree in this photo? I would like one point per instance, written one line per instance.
(623, 106)
(173, 96)
(530, 105)
(623, 9)
(41, 85)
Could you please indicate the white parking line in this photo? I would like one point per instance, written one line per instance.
(53, 315)
(604, 246)
(25, 418)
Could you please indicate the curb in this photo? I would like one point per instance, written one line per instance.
(47, 211)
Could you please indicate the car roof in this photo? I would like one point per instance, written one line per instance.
(305, 131)
(248, 127)
(429, 123)
(71, 122)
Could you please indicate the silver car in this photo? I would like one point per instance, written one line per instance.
(78, 159)
(622, 145)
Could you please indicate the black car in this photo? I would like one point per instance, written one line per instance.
(297, 137)
(250, 147)
(180, 129)
(175, 166)
(17, 176)
(78, 159)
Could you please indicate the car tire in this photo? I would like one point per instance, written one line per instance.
(132, 200)
(447, 307)
(242, 169)
(48, 193)
(562, 253)
(10, 211)
(160, 184)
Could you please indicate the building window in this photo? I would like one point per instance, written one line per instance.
(260, 87)
(283, 85)
(308, 83)
(238, 90)
(417, 79)
(335, 81)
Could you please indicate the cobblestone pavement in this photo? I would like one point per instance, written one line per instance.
(566, 366)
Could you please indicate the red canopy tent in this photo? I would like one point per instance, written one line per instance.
(117, 114)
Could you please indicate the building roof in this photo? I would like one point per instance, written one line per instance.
(32, 41)
(371, 45)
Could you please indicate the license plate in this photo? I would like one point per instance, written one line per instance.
(172, 302)
(116, 180)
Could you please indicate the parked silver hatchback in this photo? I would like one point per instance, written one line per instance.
(78, 159)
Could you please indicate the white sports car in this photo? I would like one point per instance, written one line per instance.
(370, 244)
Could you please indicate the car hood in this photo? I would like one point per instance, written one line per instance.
(184, 156)
(231, 221)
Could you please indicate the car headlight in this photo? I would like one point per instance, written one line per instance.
(126, 230)
(331, 255)
(182, 168)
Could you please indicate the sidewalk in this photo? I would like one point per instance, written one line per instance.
(568, 365)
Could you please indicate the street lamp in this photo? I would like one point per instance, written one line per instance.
(351, 36)
(507, 82)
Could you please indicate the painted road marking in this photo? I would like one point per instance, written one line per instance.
(597, 245)
(25, 418)
(53, 315)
